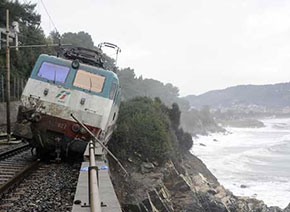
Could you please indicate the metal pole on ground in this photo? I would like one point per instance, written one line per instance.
(7, 78)
(94, 198)
(100, 142)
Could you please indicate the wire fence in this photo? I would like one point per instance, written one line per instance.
(16, 87)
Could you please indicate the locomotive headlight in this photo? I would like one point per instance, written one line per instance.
(75, 64)
(75, 128)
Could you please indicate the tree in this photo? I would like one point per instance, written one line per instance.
(128, 83)
(174, 114)
(80, 39)
(133, 86)
(54, 37)
(22, 61)
(22, 13)
(143, 132)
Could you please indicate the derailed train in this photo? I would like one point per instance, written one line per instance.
(77, 84)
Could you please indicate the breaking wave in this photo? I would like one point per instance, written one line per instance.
(257, 158)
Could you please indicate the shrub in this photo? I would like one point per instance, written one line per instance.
(143, 129)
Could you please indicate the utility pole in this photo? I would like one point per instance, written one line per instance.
(14, 34)
(8, 78)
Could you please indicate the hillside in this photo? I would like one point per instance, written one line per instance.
(269, 96)
(163, 175)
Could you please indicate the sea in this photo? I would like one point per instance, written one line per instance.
(252, 162)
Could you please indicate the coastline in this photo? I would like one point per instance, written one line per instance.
(244, 167)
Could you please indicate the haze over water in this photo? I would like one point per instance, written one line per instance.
(257, 159)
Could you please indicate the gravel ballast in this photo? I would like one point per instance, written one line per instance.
(50, 188)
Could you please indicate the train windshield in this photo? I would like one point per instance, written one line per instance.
(53, 72)
(89, 81)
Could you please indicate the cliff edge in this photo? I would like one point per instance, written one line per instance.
(164, 175)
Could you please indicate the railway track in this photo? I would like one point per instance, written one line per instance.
(15, 165)
(13, 150)
(49, 188)
(3, 136)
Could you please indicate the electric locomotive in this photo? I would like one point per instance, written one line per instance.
(77, 84)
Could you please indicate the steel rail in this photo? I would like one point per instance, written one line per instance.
(3, 136)
(13, 151)
(19, 177)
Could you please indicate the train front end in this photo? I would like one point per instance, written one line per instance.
(58, 88)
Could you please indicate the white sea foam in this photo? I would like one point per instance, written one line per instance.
(257, 158)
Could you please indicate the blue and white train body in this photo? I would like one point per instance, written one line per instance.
(60, 87)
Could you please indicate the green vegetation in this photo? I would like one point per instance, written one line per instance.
(192, 121)
(148, 130)
(82, 39)
(133, 86)
(22, 61)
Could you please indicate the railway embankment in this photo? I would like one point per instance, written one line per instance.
(164, 175)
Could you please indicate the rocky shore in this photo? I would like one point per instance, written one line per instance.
(242, 123)
(184, 185)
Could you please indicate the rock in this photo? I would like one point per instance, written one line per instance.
(130, 160)
(275, 209)
(215, 140)
(287, 209)
(132, 208)
(32, 204)
(212, 191)
(201, 144)
(158, 203)
(147, 167)
(254, 196)
(209, 204)
(155, 163)
(138, 154)
(146, 206)
(181, 185)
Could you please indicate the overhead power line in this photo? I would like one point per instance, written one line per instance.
(49, 16)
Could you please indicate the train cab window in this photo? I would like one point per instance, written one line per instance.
(53, 72)
(113, 91)
(89, 81)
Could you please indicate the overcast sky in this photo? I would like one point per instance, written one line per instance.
(197, 45)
